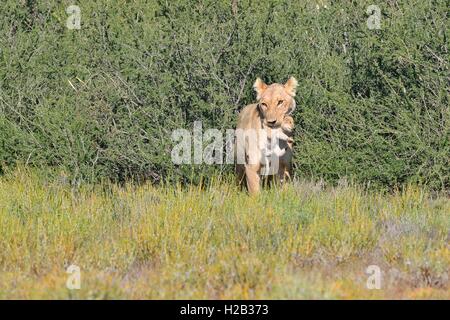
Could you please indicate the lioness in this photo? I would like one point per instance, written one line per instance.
(264, 135)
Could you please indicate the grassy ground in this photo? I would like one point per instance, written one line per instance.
(139, 242)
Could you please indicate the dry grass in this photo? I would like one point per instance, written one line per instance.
(146, 242)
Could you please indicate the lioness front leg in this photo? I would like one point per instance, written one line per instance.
(252, 178)
(284, 174)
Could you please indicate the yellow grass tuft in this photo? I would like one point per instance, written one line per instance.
(149, 242)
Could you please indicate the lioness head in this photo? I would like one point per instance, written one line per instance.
(275, 100)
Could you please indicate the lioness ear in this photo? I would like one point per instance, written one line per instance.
(259, 87)
(291, 86)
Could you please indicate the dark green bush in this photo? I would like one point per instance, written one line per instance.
(102, 101)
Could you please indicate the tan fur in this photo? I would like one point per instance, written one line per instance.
(268, 117)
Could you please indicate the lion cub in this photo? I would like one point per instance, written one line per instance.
(264, 135)
(280, 149)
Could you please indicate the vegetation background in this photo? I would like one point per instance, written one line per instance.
(101, 102)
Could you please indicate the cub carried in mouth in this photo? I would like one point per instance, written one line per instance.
(276, 149)
(264, 135)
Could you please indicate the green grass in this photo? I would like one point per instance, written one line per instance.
(149, 242)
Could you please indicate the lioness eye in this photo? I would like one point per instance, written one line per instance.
(280, 102)
(264, 105)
